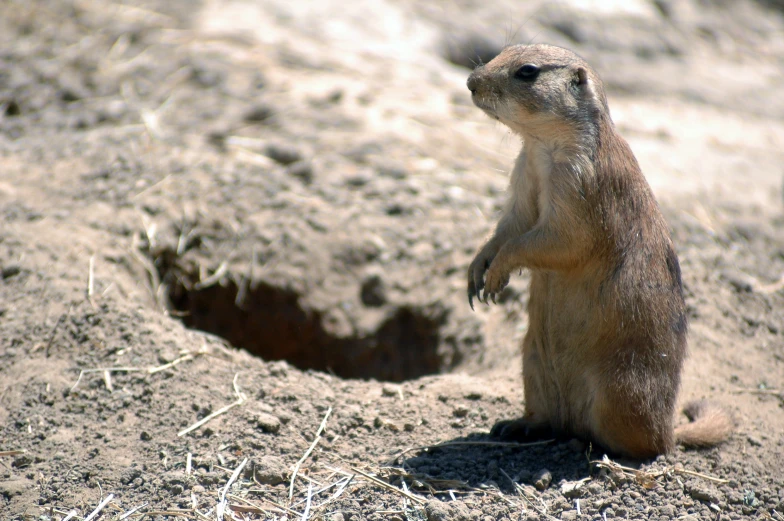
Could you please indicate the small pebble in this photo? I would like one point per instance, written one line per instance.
(542, 479)
(11, 271)
(392, 170)
(460, 411)
(22, 461)
(358, 180)
(390, 390)
(373, 291)
(268, 423)
(283, 153)
(302, 170)
(259, 113)
(740, 282)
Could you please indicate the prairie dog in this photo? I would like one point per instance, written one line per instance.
(606, 340)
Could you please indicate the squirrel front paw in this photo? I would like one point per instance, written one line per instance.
(476, 273)
(496, 280)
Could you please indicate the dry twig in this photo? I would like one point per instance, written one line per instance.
(107, 378)
(773, 287)
(772, 392)
(11, 452)
(541, 510)
(307, 504)
(214, 278)
(278, 505)
(222, 503)
(240, 400)
(418, 500)
(150, 370)
(251, 507)
(91, 279)
(307, 453)
(648, 478)
(132, 511)
(100, 507)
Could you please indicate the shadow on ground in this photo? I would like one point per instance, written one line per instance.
(478, 461)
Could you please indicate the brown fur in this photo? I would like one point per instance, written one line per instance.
(606, 341)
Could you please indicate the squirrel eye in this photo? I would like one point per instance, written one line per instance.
(527, 72)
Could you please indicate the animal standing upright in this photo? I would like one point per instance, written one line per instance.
(606, 340)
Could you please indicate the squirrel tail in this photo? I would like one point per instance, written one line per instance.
(710, 425)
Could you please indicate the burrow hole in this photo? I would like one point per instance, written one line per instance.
(271, 323)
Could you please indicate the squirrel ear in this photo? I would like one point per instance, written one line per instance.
(582, 76)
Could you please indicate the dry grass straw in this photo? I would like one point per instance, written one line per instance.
(91, 280)
(387, 486)
(100, 507)
(214, 278)
(762, 392)
(307, 504)
(771, 288)
(106, 371)
(220, 508)
(647, 478)
(279, 506)
(307, 452)
(11, 452)
(540, 508)
(240, 400)
(156, 289)
(132, 511)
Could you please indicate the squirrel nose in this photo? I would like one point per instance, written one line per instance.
(475, 79)
(472, 83)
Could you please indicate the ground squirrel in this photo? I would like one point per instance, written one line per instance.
(606, 339)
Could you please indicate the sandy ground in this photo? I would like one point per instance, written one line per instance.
(309, 181)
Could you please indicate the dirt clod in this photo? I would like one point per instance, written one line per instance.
(703, 492)
(268, 422)
(436, 510)
(270, 470)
